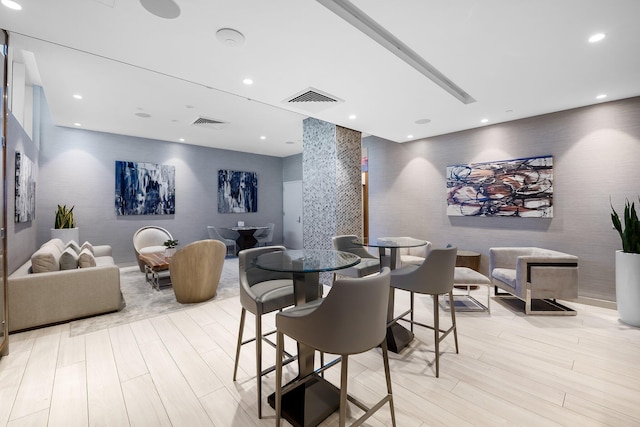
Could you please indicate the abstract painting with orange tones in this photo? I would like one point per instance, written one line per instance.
(519, 188)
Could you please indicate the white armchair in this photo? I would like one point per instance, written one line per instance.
(537, 276)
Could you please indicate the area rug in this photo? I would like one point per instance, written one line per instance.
(143, 302)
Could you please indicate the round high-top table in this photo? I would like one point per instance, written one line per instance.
(313, 401)
(397, 335)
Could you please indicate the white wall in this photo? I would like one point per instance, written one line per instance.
(596, 153)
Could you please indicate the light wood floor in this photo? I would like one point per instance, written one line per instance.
(176, 369)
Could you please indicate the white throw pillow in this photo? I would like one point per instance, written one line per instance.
(87, 245)
(47, 258)
(69, 259)
(73, 245)
(86, 259)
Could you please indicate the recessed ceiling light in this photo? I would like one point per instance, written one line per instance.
(77, 96)
(248, 82)
(484, 120)
(77, 124)
(597, 37)
(188, 106)
(230, 37)
(409, 136)
(289, 142)
(11, 4)
(601, 96)
(181, 140)
(263, 137)
(352, 117)
(143, 115)
(422, 121)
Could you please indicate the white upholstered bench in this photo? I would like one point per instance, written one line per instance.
(464, 276)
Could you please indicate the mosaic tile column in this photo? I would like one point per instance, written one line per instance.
(332, 184)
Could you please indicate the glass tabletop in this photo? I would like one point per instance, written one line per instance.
(246, 227)
(390, 242)
(306, 260)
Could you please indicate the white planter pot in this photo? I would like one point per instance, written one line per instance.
(628, 287)
(66, 234)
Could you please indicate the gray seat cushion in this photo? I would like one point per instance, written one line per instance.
(273, 294)
(506, 275)
(366, 267)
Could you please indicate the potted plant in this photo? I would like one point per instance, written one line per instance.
(64, 226)
(628, 265)
(171, 247)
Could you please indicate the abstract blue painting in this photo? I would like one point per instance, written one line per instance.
(519, 187)
(25, 194)
(237, 191)
(145, 189)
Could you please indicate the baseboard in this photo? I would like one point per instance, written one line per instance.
(596, 302)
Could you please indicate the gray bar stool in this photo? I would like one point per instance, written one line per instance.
(351, 319)
(433, 277)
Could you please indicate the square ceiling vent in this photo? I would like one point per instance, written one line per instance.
(312, 100)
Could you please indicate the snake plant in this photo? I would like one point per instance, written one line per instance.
(630, 235)
(64, 217)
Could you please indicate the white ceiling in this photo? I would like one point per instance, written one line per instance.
(517, 58)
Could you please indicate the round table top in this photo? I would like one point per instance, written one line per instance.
(306, 260)
(390, 242)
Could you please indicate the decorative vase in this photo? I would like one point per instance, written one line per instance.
(66, 234)
(628, 287)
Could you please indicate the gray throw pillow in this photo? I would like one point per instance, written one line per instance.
(69, 259)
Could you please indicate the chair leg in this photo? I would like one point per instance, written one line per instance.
(259, 362)
(387, 374)
(344, 361)
(279, 354)
(411, 295)
(240, 330)
(453, 319)
(436, 332)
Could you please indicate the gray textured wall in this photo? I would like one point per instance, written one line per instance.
(596, 151)
(292, 168)
(76, 167)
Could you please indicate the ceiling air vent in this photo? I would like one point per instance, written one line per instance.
(209, 123)
(312, 100)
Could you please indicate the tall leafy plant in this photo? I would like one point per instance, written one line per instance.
(630, 235)
(64, 217)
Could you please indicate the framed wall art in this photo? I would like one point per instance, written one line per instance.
(517, 188)
(237, 191)
(145, 189)
(25, 192)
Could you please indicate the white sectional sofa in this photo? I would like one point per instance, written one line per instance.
(41, 293)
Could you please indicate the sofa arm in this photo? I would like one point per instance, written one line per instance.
(551, 274)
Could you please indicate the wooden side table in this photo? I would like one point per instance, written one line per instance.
(468, 259)
(154, 264)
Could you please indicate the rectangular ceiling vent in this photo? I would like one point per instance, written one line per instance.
(312, 100)
(209, 123)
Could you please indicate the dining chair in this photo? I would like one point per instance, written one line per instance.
(435, 276)
(215, 235)
(261, 292)
(335, 327)
(265, 237)
(369, 263)
(149, 239)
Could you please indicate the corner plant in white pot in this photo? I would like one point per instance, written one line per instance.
(628, 265)
(64, 226)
